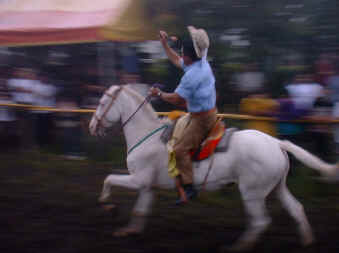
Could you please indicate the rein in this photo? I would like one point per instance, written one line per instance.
(146, 100)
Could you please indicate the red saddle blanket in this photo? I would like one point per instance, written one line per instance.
(210, 143)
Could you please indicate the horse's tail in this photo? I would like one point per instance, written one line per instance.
(310, 160)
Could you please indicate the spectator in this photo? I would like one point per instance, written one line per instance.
(7, 120)
(44, 93)
(20, 87)
(94, 93)
(304, 92)
(286, 114)
(260, 105)
(69, 126)
(323, 69)
(287, 129)
(333, 87)
(250, 81)
(320, 131)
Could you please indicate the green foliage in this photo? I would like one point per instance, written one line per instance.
(159, 70)
(273, 28)
(233, 67)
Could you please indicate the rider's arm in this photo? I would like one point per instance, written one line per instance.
(172, 98)
(171, 54)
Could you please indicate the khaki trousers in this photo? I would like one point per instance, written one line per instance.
(195, 132)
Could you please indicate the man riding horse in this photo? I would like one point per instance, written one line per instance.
(196, 91)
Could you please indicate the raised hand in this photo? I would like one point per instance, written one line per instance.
(163, 36)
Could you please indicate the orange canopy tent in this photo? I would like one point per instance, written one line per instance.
(42, 22)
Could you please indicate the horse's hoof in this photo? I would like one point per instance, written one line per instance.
(224, 249)
(107, 206)
(309, 241)
(241, 247)
(123, 232)
(119, 234)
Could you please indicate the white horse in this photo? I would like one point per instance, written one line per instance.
(257, 162)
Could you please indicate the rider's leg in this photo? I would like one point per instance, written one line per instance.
(184, 165)
(180, 189)
(192, 137)
(184, 182)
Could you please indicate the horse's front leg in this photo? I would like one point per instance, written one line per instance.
(126, 181)
(141, 208)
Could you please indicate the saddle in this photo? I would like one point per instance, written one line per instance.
(210, 143)
(216, 141)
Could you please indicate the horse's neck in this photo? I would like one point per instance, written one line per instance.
(141, 124)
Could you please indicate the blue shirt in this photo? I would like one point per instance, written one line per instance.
(197, 86)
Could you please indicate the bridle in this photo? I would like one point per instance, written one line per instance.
(113, 97)
(102, 117)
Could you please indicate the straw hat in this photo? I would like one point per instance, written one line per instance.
(200, 40)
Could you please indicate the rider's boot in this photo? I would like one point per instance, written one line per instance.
(190, 191)
(186, 192)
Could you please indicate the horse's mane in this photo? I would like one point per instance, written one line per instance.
(147, 107)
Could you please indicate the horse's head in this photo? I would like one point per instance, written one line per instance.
(106, 114)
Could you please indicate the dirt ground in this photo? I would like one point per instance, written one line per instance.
(49, 205)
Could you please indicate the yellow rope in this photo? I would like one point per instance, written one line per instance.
(250, 117)
(46, 108)
(220, 115)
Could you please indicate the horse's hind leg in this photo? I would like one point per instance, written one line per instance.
(296, 210)
(259, 221)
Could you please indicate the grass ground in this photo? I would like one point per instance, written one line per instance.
(48, 204)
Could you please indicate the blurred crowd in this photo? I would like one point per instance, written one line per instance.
(26, 128)
(311, 95)
(305, 109)
(35, 79)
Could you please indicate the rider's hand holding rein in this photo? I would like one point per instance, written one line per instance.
(155, 92)
(172, 98)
